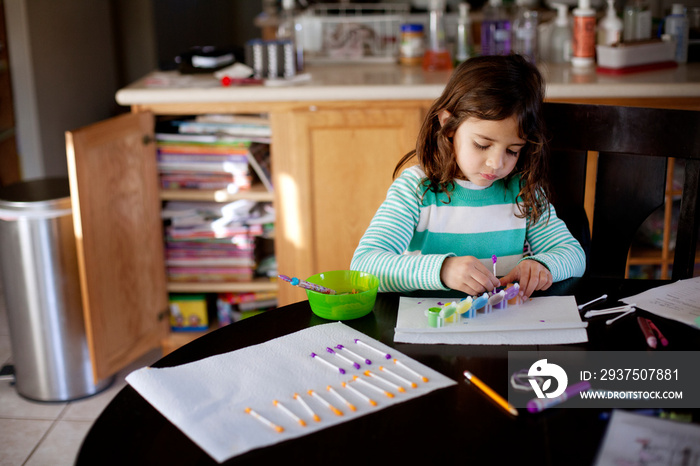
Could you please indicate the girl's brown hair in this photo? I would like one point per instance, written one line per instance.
(488, 88)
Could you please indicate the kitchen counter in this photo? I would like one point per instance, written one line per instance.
(328, 130)
(352, 82)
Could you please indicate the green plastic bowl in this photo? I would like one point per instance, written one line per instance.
(345, 305)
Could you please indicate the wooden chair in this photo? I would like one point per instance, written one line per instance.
(633, 146)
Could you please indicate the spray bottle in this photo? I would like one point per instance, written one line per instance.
(583, 53)
(560, 49)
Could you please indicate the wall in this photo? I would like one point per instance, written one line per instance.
(69, 57)
(63, 74)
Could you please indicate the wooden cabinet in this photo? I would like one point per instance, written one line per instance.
(332, 168)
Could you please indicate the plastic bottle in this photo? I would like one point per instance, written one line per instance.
(610, 26)
(637, 21)
(465, 45)
(583, 43)
(495, 29)
(436, 56)
(525, 31)
(289, 29)
(560, 49)
(676, 25)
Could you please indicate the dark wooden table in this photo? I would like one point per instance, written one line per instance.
(455, 424)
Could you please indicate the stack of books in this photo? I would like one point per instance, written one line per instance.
(212, 242)
(232, 307)
(212, 152)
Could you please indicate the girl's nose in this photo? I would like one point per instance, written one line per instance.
(495, 161)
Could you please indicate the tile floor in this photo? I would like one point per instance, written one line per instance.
(34, 433)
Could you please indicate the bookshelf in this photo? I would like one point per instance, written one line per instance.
(213, 250)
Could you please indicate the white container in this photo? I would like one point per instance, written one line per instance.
(624, 55)
(637, 21)
(676, 25)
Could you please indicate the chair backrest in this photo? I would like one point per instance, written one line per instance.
(633, 146)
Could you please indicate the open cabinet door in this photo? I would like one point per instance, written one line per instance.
(116, 213)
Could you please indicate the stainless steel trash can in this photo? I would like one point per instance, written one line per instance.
(39, 268)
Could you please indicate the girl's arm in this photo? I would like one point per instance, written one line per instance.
(381, 249)
(553, 245)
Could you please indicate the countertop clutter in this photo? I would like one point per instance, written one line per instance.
(348, 82)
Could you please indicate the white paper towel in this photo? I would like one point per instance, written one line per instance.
(206, 399)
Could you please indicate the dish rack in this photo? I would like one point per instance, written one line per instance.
(333, 33)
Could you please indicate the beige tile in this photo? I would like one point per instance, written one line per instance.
(60, 447)
(12, 405)
(89, 409)
(19, 437)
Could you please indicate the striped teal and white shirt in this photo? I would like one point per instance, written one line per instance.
(412, 233)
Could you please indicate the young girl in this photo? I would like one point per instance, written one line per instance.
(479, 190)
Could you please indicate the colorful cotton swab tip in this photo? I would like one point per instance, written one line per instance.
(264, 420)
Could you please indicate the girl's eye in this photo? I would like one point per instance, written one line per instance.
(479, 146)
(512, 152)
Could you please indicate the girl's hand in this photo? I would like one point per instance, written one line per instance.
(531, 275)
(467, 274)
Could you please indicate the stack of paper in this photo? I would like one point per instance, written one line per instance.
(547, 320)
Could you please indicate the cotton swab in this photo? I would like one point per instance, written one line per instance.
(333, 366)
(374, 387)
(340, 397)
(307, 407)
(360, 394)
(383, 380)
(335, 410)
(611, 310)
(394, 374)
(581, 306)
(360, 342)
(264, 421)
(608, 322)
(355, 365)
(289, 413)
(494, 259)
(341, 347)
(397, 362)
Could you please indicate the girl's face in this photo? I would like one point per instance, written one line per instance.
(486, 150)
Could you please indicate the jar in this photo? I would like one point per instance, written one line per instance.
(412, 44)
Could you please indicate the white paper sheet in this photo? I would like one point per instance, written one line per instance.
(635, 439)
(207, 399)
(679, 301)
(546, 321)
